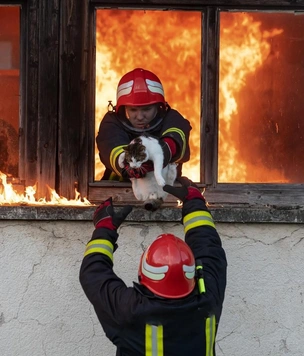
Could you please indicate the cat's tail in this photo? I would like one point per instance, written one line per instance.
(153, 204)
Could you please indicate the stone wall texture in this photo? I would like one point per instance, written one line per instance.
(44, 312)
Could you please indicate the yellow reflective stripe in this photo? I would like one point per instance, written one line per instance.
(210, 335)
(197, 218)
(200, 280)
(113, 156)
(154, 340)
(183, 137)
(100, 246)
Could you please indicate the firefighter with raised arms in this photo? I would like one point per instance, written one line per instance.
(176, 307)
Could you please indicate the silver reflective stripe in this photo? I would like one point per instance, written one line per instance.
(108, 248)
(100, 246)
(154, 340)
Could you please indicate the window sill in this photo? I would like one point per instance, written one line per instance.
(168, 213)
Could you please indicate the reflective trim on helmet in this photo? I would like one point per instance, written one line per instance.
(189, 271)
(155, 87)
(154, 340)
(210, 329)
(100, 246)
(125, 89)
(154, 273)
(113, 156)
(197, 218)
(183, 137)
(139, 87)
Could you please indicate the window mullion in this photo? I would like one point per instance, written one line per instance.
(209, 126)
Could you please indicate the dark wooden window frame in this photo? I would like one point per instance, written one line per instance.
(217, 193)
(57, 108)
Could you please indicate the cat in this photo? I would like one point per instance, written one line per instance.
(149, 188)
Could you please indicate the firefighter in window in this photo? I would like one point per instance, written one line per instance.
(141, 108)
(176, 306)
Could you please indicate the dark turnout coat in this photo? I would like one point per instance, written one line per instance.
(142, 324)
(115, 132)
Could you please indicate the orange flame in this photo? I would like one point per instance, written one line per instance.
(243, 49)
(8, 195)
(127, 39)
(151, 39)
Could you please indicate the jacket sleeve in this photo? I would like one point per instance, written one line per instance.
(178, 128)
(111, 139)
(104, 289)
(203, 239)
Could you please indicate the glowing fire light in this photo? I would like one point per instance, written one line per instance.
(243, 49)
(127, 39)
(9, 196)
(154, 40)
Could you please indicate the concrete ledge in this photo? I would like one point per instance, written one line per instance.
(229, 213)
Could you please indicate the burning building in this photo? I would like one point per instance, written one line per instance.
(245, 114)
(235, 69)
(254, 66)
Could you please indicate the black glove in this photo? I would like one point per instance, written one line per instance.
(104, 215)
(187, 191)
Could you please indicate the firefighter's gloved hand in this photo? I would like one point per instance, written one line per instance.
(187, 191)
(147, 166)
(104, 215)
(168, 146)
(128, 172)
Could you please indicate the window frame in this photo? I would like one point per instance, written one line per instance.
(225, 194)
(57, 135)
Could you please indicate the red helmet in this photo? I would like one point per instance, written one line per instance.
(139, 87)
(167, 267)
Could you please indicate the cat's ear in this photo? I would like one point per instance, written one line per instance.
(121, 159)
(137, 140)
(127, 149)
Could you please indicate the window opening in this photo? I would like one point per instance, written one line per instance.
(260, 98)
(156, 41)
(12, 187)
(9, 89)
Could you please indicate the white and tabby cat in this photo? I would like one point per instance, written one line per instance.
(149, 188)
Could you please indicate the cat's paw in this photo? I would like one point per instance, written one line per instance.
(121, 159)
(161, 181)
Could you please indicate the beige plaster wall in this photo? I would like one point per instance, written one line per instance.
(43, 311)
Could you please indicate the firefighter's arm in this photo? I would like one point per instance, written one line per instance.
(111, 140)
(202, 236)
(175, 137)
(97, 265)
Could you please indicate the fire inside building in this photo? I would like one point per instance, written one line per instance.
(235, 70)
(258, 124)
(258, 55)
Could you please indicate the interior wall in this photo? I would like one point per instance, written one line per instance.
(43, 310)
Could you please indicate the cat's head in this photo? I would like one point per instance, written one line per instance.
(135, 153)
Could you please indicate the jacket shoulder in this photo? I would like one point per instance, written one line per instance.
(174, 113)
(110, 116)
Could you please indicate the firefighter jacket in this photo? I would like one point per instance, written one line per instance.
(140, 323)
(115, 132)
